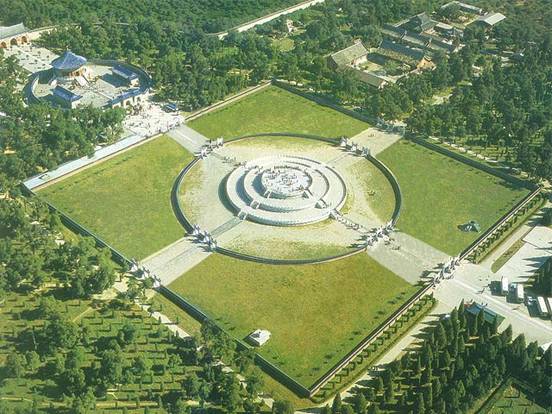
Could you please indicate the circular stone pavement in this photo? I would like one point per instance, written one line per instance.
(285, 190)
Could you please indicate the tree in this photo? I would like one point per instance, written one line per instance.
(72, 381)
(418, 366)
(245, 359)
(441, 336)
(360, 404)
(75, 358)
(282, 407)
(191, 385)
(230, 394)
(48, 308)
(15, 365)
(419, 405)
(141, 367)
(84, 404)
(347, 409)
(337, 404)
(110, 371)
(547, 218)
(32, 361)
(389, 392)
(250, 406)
(59, 333)
(326, 410)
(373, 409)
(180, 407)
(254, 382)
(127, 334)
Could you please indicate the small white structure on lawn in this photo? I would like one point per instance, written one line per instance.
(259, 337)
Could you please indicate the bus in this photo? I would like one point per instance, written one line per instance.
(541, 306)
(504, 286)
(549, 303)
(520, 293)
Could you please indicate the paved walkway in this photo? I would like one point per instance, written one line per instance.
(30, 57)
(171, 326)
(188, 138)
(375, 139)
(533, 254)
(472, 283)
(519, 233)
(407, 256)
(175, 260)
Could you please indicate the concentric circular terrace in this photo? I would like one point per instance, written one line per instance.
(285, 190)
(285, 198)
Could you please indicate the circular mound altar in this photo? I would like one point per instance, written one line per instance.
(285, 190)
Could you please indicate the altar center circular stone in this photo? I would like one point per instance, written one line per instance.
(285, 190)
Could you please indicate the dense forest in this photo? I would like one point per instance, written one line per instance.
(70, 363)
(461, 360)
(197, 69)
(33, 250)
(509, 105)
(211, 16)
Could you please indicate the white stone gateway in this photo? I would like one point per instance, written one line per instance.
(285, 190)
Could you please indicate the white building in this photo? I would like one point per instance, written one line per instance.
(259, 337)
(541, 306)
(490, 19)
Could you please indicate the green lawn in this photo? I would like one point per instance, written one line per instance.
(439, 194)
(284, 44)
(276, 110)
(316, 313)
(126, 200)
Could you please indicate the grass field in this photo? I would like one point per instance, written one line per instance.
(276, 110)
(126, 200)
(316, 313)
(440, 193)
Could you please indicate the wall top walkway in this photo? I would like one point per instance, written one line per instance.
(71, 166)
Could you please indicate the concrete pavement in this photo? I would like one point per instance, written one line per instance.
(472, 282)
(188, 138)
(176, 259)
(375, 139)
(519, 233)
(526, 261)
